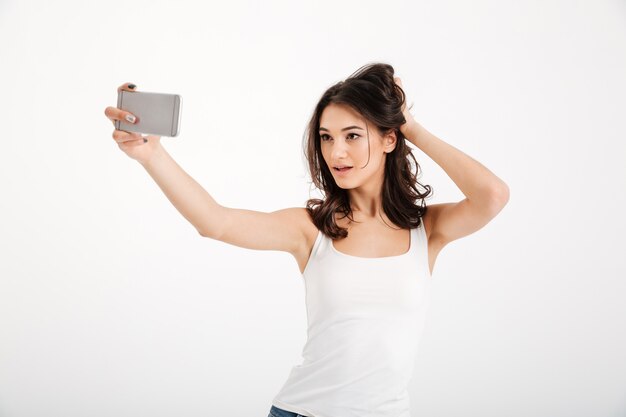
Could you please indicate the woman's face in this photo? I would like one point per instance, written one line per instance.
(349, 147)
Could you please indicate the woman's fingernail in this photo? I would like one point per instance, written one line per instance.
(130, 118)
(132, 86)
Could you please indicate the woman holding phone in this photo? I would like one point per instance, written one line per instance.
(366, 251)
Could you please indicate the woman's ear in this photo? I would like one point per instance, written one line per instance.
(391, 139)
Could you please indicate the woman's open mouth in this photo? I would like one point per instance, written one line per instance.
(343, 170)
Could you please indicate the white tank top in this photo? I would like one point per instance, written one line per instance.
(365, 317)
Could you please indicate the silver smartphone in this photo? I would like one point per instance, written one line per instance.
(157, 113)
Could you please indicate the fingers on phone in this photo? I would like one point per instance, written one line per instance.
(114, 114)
(127, 87)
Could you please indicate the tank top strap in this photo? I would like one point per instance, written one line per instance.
(321, 242)
(415, 241)
(318, 247)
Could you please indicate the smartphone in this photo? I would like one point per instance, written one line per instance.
(157, 113)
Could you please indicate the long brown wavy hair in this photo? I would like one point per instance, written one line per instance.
(372, 92)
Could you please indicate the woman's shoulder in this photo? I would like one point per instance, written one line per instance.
(301, 220)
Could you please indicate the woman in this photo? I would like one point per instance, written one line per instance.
(366, 294)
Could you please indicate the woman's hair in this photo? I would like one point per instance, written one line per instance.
(372, 92)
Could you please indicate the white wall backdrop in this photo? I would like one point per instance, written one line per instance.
(111, 304)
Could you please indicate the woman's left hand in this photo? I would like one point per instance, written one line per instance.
(410, 121)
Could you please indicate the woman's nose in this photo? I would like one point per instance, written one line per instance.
(338, 150)
(338, 155)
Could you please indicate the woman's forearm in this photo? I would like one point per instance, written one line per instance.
(478, 183)
(189, 198)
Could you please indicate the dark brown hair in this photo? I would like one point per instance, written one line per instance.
(372, 92)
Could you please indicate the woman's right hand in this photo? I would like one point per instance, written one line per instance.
(133, 144)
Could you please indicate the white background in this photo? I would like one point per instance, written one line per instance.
(111, 304)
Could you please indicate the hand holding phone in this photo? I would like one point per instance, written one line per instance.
(156, 113)
(137, 147)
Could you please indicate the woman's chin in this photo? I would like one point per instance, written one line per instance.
(343, 184)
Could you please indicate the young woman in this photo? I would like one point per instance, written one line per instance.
(366, 251)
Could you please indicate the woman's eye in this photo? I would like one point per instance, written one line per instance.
(323, 137)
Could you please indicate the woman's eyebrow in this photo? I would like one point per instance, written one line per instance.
(345, 128)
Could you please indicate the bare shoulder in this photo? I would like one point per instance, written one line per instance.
(446, 222)
(298, 218)
(306, 225)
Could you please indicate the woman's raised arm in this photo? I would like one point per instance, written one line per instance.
(282, 230)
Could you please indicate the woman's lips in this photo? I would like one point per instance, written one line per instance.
(342, 171)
